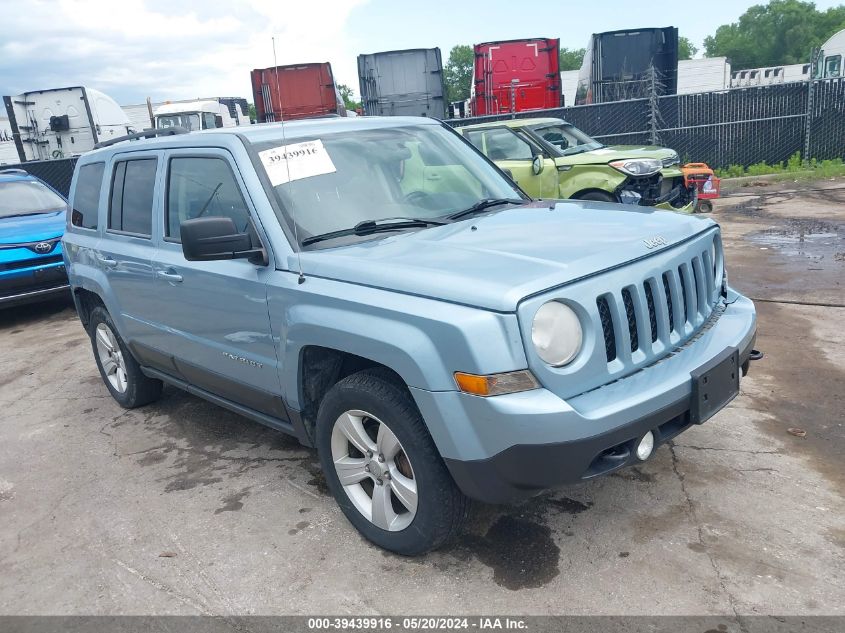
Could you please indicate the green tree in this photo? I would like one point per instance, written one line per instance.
(686, 49)
(348, 96)
(457, 74)
(780, 32)
(253, 115)
(570, 59)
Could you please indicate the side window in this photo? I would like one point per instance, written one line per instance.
(208, 121)
(503, 144)
(198, 187)
(131, 204)
(86, 198)
(832, 65)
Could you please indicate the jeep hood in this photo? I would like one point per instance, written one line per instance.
(604, 155)
(494, 261)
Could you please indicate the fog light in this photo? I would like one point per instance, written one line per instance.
(645, 446)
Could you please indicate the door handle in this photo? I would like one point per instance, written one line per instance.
(107, 261)
(169, 275)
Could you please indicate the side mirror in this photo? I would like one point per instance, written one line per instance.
(218, 120)
(213, 238)
(537, 164)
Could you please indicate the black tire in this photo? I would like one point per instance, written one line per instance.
(441, 506)
(140, 389)
(705, 206)
(598, 196)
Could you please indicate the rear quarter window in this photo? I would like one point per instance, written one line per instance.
(131, 203)
(86, 198)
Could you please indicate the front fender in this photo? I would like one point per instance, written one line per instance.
(585, 177)
(423, 340)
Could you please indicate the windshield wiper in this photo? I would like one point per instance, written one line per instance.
(481, 205)
(368, 227)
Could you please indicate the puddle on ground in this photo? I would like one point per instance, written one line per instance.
(234, 501)
(518, 546)
(521, 552)
(812, 239)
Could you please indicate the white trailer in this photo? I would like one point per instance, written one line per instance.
(62, 122)
(569, 86)
(769, 75)
(8, 153)
(707, 74)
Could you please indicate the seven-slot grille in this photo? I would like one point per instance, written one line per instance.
(666, 307)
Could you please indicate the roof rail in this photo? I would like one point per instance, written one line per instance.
(14, 170)
(148, 133)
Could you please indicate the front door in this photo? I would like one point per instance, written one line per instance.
(516, 155)
(212, 316)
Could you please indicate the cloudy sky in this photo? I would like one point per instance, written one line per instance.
(177, 49)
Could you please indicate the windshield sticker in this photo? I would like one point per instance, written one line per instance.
(297, 161)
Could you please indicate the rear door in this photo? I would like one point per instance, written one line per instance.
(124, 255)
(515, 154)
(213, 327)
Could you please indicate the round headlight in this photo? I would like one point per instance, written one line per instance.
(556, 333)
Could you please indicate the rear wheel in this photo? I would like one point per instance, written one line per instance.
(598, 196)
(118, 368)
(383, 468)
(704, 206)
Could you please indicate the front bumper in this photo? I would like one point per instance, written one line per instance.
(663, 191)
(32, 284)
(507, 448)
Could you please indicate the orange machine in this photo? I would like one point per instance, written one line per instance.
(705, 181)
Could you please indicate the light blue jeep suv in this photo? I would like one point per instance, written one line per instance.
(379, 289)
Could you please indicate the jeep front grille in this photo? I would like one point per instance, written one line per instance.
(667, 307)
(632, 315)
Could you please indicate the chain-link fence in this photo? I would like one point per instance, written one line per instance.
(56, 173)
(741, 126)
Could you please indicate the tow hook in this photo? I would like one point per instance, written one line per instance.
(754, 355)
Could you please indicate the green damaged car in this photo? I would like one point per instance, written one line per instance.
(550, 158)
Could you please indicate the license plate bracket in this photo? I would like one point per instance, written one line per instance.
(714, 385)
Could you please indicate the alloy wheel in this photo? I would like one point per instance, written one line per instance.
(374, 470)
(111, 358)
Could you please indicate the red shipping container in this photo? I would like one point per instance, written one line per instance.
(516, 75)
(297, 91)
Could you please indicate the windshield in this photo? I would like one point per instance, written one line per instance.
(339, 179)
(190, 122)
(566, 138)
(26, 197)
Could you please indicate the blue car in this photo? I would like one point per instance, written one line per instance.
(32, 220)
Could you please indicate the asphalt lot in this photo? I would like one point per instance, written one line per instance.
(181, 507)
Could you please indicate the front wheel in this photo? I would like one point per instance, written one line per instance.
(598, 196)
(383, 467)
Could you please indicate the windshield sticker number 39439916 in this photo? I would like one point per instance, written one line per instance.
(286, 163)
